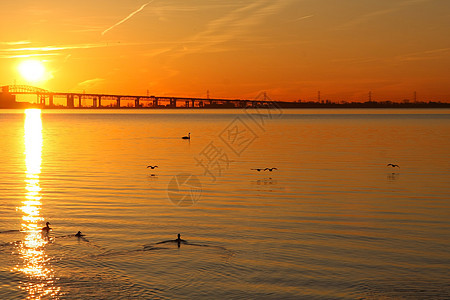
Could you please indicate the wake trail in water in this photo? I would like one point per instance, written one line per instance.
(82, 239)
(10, 231)
(156, 247)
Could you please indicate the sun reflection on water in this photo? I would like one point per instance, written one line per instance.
(34, 261)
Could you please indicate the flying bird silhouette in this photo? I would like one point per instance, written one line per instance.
(270, 169)
(152, 167)
(258, 169)
(393, 165)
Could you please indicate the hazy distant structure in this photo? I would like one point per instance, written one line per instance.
(6, 99)
(48, 99)
(262, 96)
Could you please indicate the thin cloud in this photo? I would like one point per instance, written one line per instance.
(360, 60)
(15, 43)
(232, 25)
(54, 50)
(28, 55)
(90, 83)
(302, 18)
(41, 51)
(426, 55)
(126, 18)
(373, 15)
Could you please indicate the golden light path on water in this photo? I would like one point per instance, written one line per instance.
(34, 261)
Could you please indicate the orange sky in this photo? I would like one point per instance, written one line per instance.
(235, 49)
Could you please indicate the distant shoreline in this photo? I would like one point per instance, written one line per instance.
(256, 104)
(273, 105)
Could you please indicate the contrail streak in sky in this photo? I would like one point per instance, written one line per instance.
(128, 17)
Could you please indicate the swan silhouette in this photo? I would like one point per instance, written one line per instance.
(187, 137)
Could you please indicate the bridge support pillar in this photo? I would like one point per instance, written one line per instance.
(136, 102)
(94, 102)
(173, 103)
(118, 102)
(193, 103)
(70, 103)
(99, 101)
(50, 100)
(40, 99)
(155, 103)
(79, 100)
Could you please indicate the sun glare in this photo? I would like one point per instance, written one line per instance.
(32, 70)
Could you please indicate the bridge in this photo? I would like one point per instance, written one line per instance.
(47, 98)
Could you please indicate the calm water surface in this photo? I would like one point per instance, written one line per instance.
(332, 222)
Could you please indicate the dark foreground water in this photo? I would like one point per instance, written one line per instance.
(333, 221)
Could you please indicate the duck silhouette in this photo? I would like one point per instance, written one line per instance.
(46, 229)
(178, 240)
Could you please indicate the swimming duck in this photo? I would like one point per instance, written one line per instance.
(47, 228)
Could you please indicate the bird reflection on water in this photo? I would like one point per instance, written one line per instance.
(393, 176)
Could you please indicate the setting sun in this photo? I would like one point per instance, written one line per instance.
(32, 70)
